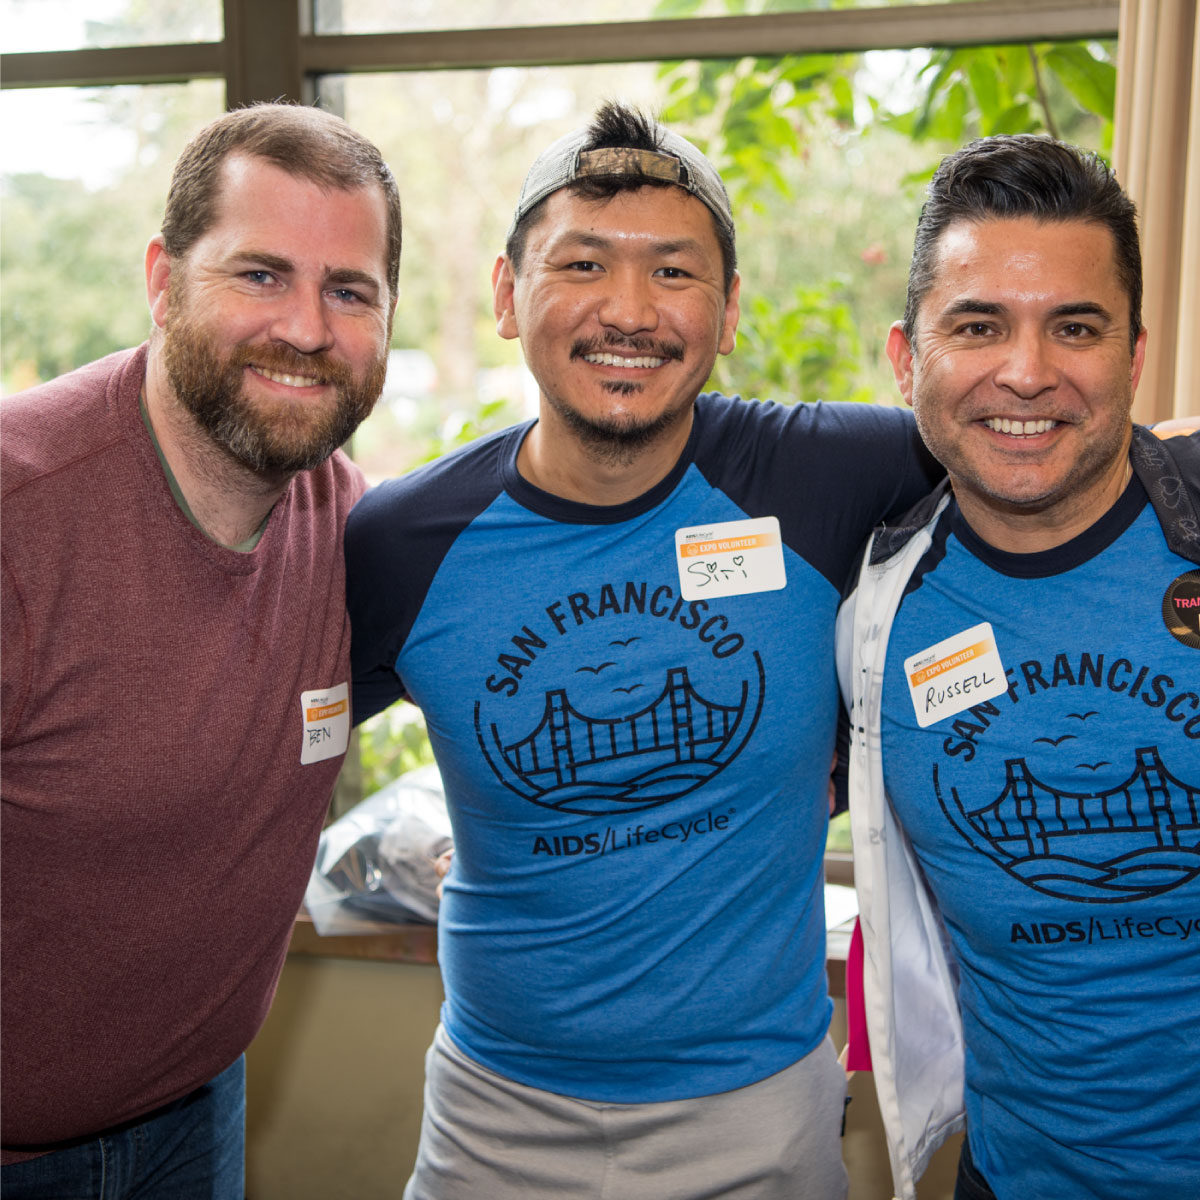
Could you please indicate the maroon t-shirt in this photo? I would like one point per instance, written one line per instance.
(171, 736)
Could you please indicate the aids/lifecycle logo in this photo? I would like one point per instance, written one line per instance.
(1181, 609)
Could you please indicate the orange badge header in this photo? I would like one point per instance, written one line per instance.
(945, 664)
(751, 541)
(325, 711)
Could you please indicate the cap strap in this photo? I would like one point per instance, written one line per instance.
(622, 160)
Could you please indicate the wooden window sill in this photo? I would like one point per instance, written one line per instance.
(418, 944)
(414, 943)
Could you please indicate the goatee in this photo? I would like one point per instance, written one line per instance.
(619, 440)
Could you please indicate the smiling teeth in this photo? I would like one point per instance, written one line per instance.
(617, 360)
(287, 380)
(1019, 428)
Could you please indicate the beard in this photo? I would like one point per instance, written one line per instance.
(267, 437)
(618, 439)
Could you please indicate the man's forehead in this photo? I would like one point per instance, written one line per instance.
(1011, 253)
(240, 171)
(961, 240)
(650, 210)
(252, 199)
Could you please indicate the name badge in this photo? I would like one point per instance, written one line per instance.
(730, 558)
(947, 678)
(326, 718)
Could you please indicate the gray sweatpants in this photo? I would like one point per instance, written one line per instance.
(484, 1137)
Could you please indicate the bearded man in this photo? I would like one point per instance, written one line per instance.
(176, 657)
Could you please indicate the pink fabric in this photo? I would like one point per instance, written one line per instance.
(858, 1046)
(158, 826)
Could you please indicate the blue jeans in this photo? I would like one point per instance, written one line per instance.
(970, 1184)
(192, 1149)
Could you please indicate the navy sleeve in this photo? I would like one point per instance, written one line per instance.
(829, 472)
(396, 538)
(375, 625)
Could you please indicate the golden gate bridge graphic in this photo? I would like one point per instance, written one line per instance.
(598, 766)
(1137, 839)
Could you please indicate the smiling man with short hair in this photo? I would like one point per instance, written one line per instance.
(618, 620)
(1021, 655)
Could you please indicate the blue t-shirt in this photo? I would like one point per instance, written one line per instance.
(637, 780)
(1058, 826)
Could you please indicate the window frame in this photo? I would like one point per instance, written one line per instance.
(270, 51)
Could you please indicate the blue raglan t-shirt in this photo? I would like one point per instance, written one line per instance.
(636, 773)
(1058, 826)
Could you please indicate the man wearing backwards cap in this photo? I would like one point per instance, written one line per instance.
(618, 620)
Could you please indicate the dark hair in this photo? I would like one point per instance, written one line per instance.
(1025, 175)
(625, 127)
(305, 142)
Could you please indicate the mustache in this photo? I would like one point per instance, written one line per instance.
(287, 361)
(636, 345)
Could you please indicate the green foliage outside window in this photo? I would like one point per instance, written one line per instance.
(769, 123)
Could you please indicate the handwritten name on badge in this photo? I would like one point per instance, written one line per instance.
(326, 717)
(730, 558)
(962, 670)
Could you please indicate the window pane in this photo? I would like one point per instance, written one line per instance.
(85, 177)
(75, 24)
(388, 16)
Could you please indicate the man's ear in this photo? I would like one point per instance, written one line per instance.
(732, 313)
(504, 285)
(900, 356)
(158, 278)
(1139, 360)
